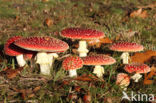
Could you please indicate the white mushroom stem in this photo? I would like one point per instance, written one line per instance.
(125, 57)
(136, 77)
(45, 69)
(20, 60)
(83, 49)
(42, 59)
(72, 73)
(99, 71)
(51, 57)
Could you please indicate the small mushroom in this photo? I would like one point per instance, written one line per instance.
(83, 35)
(13, 50)
(123, 80)
(42, 45)
(138, 69)
(98, 60)
(126, 47)
(72, 63)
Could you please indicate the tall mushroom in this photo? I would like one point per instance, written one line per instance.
(123, 80)
(138, 68)
(126, 47)
(98, 60)
(13, 50)
(83, 35)
(42, 45)
(72, 63)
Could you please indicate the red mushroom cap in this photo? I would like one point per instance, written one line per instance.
(79, 33)
(11, 49)
(126, 47)
(72, 62)
(137, 67)
(46, 44)
(98, 59)
(123, 78)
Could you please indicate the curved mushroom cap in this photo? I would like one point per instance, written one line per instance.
(123, 79)
(126, 47)
(72, 62)
(98, 59)
(46, 44)
(11, 49)
(79, 33)
(137, 67)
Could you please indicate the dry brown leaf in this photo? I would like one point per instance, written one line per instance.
(87, 98)
(36, 89)
(74, 51)
(86, 78)
(99, 42)
(48, 22)
(150, 75)
(12, 73)
(139, 13)
(23, 92)
(153, 5)
(143, 57)
(45, 0)
(148, 82)
(31, 95)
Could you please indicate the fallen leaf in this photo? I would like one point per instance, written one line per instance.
(74, 51)
(36, 89)
(139, 13)
(77, 88)
(31, 95)
(109, 100)
(98, 42)
(86, 78)
(23, 92)
(72, 96)
(45, 0)
(148, 82)
(87, 98)
(12, 73)
(150, 75)
(153, 5)
(143, 57)
(48, 22)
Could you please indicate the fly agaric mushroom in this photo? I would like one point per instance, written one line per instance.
(42, 45)
(126, 47)
(13, 50)
(138, 68)
(98, 60)
(72, 63)
(83, 34)
(123, 80)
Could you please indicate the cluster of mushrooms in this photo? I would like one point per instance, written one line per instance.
(46, 49)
